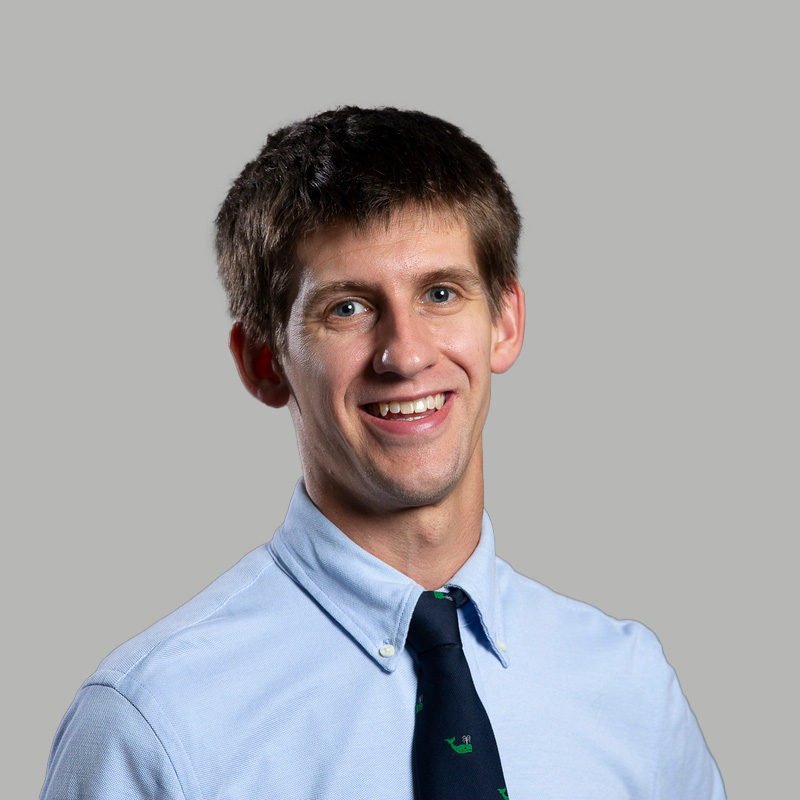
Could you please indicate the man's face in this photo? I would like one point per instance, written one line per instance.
(389, 352)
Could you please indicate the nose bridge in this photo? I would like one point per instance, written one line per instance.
(405, 344)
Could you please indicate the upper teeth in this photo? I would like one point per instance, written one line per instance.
(412, 406)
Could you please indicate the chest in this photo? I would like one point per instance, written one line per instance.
(342, 727)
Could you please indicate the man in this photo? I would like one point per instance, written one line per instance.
(369, 260)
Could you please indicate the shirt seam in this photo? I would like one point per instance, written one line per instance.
(155, 733)
(159, 642)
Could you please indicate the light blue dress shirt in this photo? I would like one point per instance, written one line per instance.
(288, 678)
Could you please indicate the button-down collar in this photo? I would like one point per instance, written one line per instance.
(372, 601)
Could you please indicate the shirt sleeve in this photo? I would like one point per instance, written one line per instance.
(106, 749)
(685, 768)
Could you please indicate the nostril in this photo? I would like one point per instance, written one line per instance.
(406, 345)
(405, 363)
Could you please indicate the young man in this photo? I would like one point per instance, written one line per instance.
(369, 260)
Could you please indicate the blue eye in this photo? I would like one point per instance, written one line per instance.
(349, 308)
(440, 294)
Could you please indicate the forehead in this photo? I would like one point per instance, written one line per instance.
(409, 246)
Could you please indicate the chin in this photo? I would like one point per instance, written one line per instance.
(428, 490)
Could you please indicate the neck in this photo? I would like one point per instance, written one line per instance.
(428, 543)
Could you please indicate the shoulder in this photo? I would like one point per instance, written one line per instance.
(204, 635)
(573, 635)
(608, 683)
(131, 720)
(104, 748)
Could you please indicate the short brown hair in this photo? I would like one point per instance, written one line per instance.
(359, 167)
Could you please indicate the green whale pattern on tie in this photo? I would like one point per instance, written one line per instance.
(459, 748)
(503, 793)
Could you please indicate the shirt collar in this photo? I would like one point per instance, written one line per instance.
(372, 601)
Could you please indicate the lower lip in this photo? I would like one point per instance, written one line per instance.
(412, 426)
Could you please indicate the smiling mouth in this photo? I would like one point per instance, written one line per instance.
(408, 409)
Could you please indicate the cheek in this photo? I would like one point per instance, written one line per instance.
(326, 370)
(467, 345)
(340, 361)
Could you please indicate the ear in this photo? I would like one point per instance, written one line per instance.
(258, 369)
(509, 330)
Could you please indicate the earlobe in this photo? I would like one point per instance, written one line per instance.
(258, 368)
(509, 330)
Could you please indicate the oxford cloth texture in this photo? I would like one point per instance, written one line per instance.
(289, 676)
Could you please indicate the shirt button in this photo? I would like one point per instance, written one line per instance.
(386, 650)
(502, 645)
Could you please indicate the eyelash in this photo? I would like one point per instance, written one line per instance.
(433, 289)
(452, 294)
(345, 303)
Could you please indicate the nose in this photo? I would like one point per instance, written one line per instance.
(406, 344)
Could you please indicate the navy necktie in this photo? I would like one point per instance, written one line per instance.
(455, 754)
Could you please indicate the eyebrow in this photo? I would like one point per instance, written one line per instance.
(463, 276)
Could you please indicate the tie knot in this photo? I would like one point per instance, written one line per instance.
(435, 622)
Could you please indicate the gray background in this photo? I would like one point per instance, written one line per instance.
(643, 453)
